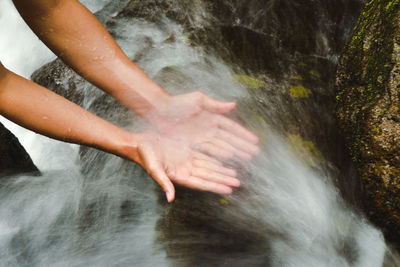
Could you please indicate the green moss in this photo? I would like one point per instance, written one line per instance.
(339, 96)
(170, 68)
(299, 91)
(248, 81)
(367, 67)
(391, 4)
(187, 36)
(384, 111)
(170, 38)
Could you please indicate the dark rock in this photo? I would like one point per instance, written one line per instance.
(368, 104)
(13, 157)
(272, 46)
(62, 80)
(196, 230)
(182, 12)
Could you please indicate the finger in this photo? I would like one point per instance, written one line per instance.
(237, 142)
(236, 129)
(235, 151)
(215, 177)
(155, 169)
(215, 106)
(214, 167)
(215, 151)
(204, 185)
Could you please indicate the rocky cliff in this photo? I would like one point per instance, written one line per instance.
(368, 109)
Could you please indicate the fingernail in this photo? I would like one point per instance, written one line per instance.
(237, 183)
(256, 139)
(169, 196)
(227, 191)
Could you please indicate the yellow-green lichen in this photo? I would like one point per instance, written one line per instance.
(301, 64)
(187, 37)
(170, 38)
(315, 73)
(248, 81)
(224, 201)
(297, 77)
(305, 150)
(260, 127)
(259, 119)
(299, 91)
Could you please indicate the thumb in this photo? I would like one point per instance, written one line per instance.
(159, 175)
(157, 172)
(162, 179)
(212, 105)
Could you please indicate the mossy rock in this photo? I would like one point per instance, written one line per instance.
(368, 102)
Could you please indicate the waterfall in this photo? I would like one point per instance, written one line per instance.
(297, 205)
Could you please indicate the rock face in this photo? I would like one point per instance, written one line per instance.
(287, 63)
(368, 109)
(13, 157)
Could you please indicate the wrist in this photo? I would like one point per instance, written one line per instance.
(158, 100)
(158, 108)
(127, 146)
(132, 87)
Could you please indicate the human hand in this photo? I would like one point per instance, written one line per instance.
(169, 161)
(197, 121)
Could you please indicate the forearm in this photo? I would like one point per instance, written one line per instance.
(38, 109)
(77, 37)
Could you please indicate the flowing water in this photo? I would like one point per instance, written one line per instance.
(298, 205)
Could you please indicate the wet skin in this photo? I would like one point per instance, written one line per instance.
(189, 137)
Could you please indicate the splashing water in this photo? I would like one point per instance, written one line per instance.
(95, 209)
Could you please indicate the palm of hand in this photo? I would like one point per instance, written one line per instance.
(190, 141)
(168, 160)
(197, 122)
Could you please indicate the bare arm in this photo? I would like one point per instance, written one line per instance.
(189, 127)
(41, 110)
(77, 37)
(45, 112)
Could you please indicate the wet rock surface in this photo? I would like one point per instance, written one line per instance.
(287, 64)
(368, 84)
(13, 157)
